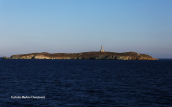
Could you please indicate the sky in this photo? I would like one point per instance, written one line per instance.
(73, 26)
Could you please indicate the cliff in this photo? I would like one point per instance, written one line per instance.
(85, 55)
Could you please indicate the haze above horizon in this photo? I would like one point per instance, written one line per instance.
(73, 26)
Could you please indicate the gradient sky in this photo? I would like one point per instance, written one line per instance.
(72, 26)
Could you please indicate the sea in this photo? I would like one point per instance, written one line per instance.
(85, 83)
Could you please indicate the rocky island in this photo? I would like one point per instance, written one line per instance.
(85, 56)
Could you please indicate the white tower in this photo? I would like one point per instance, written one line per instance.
(101, 49)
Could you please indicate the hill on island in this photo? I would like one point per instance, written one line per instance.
(85, 56)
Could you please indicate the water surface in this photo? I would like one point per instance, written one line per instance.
(86, 82)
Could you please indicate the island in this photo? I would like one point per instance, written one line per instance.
(100, 55)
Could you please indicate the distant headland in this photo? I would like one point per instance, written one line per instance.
(100, 55)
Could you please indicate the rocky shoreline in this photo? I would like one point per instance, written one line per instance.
(85, 56)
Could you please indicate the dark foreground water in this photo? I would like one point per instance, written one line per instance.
(84, 83)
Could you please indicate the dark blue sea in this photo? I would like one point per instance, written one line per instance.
(85, 83)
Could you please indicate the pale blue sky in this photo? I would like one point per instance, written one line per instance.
(72, 26)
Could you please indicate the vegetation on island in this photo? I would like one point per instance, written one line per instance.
(85, 55)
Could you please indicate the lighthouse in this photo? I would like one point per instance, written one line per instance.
(101, 49)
